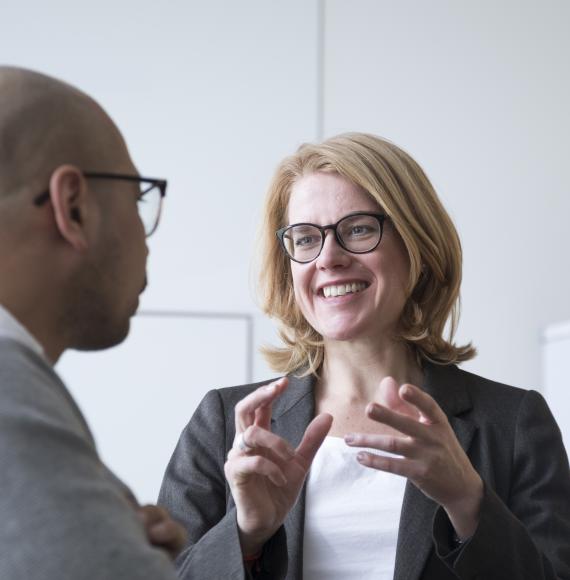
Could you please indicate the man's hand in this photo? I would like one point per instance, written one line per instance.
(161, 530)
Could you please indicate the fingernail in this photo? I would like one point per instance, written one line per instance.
(270, 388)
(349, 438)
(361, 457)
(406, 390)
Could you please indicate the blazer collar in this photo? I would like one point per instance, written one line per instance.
(299, 388)
(294, 409)
(446, 385)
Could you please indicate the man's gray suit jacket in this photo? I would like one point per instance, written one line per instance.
(509, 435)
(63, 515)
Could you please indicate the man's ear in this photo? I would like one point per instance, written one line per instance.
(69, 199)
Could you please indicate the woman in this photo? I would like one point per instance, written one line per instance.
(427, 471)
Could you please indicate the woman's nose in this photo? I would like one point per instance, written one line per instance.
(333, 255)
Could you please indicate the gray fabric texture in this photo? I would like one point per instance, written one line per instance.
(63, 514)
(509, 435)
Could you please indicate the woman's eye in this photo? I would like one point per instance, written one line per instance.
(360, 230)
(305, 241)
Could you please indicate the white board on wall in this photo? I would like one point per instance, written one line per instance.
(138, 396)
(556, 371)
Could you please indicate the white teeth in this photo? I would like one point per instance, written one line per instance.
(342, 289)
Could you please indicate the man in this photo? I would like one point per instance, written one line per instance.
(74, 215)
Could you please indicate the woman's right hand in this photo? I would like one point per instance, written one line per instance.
(264, 472)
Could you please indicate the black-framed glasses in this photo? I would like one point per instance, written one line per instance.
(359, 233)
(149, 202)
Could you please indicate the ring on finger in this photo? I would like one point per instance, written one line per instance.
(242, 445)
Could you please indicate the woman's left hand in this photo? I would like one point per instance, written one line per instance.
(430, 456)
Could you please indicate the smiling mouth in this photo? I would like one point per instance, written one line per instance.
(341, 289)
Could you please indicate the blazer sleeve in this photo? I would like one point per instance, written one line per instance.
(63, 514)
(526, 537)
(194, 491)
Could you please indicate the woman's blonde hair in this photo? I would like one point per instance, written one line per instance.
(401, 188)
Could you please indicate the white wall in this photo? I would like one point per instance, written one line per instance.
(213, 94)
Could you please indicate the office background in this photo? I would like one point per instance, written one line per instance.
(212, 94)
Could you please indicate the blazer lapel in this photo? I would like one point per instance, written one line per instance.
(415, 531)
(291, 415)
(414, 534)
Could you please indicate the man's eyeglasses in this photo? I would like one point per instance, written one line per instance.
(358, 233)
(149, 203)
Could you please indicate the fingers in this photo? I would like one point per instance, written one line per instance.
(314, 436)
(395, 465)
(260, 439)
(162, 530)
(429, 412)
(263, 416)
(423, 402)
(245, 410)
(402, 423)
(402, 446)
(168, 534)
(388, 395)
(152, 514)
(239, 471)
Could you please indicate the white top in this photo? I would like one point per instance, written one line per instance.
(11, 328)
(352, 515)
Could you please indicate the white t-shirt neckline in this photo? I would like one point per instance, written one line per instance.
(352, 514)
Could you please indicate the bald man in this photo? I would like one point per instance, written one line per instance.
(72, 265)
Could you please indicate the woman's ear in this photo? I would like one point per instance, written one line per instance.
(68, 195)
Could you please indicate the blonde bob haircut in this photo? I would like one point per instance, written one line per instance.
(402, 190)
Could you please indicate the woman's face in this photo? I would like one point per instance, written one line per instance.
(381, 276)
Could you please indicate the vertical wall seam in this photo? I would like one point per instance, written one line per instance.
(320, 80)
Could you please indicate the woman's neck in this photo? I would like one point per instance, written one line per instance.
(352, 371)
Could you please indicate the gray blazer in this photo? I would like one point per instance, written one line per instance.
(509, 435)
(63, 514)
